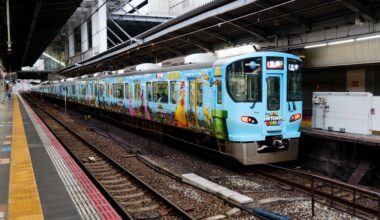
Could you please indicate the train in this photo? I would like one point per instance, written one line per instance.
(251, 104)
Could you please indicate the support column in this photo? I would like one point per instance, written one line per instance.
(84, 37)
(99, 27)
(71, 44)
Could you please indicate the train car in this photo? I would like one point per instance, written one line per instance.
(251, 104)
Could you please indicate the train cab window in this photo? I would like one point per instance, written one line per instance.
(160, 91)
(107, 90)
(199, 92)
(126, 91)
(244, 80)
(219, 92)
(137, 90)
(294, 80)
(149, 91)
(173, 92)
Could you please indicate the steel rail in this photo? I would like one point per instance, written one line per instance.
(315, 192)
(183, 213)
(311, 190)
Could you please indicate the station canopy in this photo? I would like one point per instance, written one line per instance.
(33, 25)
(226, 22)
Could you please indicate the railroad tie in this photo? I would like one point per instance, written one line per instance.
(125, 190)
(142, 209)
(136, 202)
(130, 196)
(122, 181)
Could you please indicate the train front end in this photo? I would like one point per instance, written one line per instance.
(264, 106)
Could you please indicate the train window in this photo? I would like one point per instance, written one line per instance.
(92, 86)
(275, 63)
(118, 90)
(149, 91)
(101, 88)
(173, 92)
(219, 92)
(294, 80)
(96, 89)
(114, 89)
(137, 90)
(126, 91)
(199, 92)
(84, 90)
(244, 80)
(73, 89)
(160, 91)
(273, 93)
(107, 90)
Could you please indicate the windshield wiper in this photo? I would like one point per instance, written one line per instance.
(253, 105)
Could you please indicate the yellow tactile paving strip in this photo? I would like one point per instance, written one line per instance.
(24, 200)
(306, 123)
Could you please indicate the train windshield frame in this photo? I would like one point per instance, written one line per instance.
(244, 80)
(294, 90)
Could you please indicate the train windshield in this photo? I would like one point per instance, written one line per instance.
(244, 80)
(294, 80)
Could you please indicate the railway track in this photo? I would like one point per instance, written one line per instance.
(351, 199)
(133, 198)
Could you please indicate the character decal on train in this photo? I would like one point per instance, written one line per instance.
(273, 119)
(179, 113)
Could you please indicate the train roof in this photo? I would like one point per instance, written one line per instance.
(217, 63)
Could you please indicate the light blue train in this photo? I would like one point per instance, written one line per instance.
(250, 105)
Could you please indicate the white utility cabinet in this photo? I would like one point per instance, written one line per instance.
(351, 112)
(376, 113)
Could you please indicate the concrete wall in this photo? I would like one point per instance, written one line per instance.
(174, 7)
(327, 79)
(359, 52)
(158, 8)
(334, 79)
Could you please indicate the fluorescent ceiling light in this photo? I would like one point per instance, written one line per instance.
(235, 51)
(315, 45)
(341, 42)
(54, 59)
(368, 38)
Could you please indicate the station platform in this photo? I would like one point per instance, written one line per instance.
(369, 140)
(38, 178)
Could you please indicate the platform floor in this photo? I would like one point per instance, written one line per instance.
(38, 178)
(370, 140)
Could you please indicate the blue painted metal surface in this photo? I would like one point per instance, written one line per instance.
(191, 100)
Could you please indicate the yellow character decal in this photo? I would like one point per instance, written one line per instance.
(179, 113)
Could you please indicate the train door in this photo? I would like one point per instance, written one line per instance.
(195, 104)
(275, 94)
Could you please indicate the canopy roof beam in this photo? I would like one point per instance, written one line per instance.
(358, 7)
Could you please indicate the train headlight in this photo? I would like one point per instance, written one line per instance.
(295, 117)
(248, 119)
